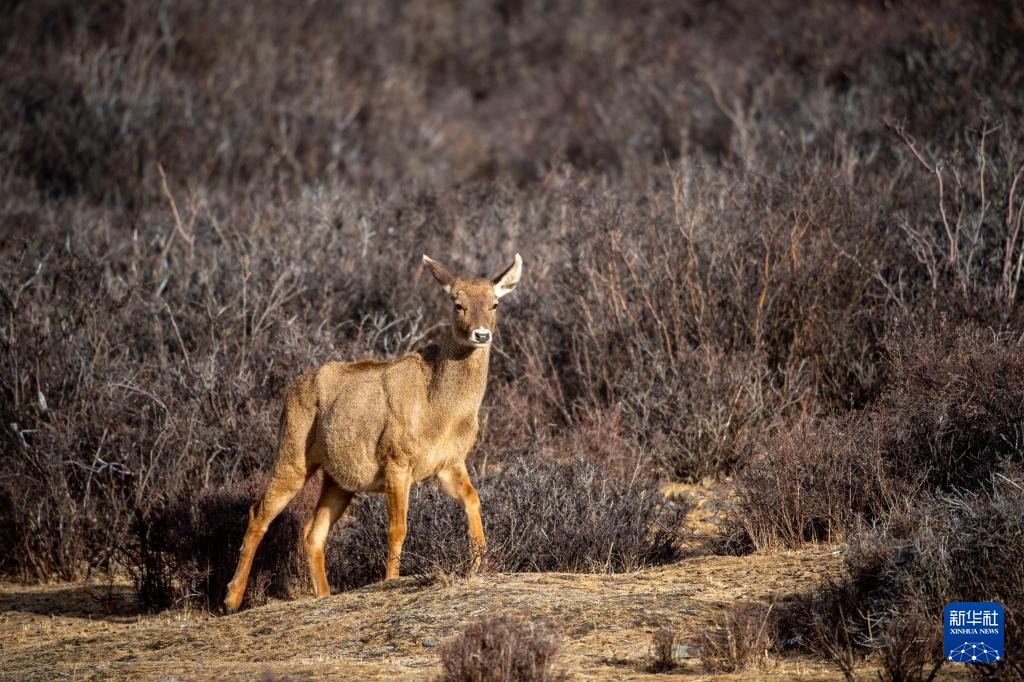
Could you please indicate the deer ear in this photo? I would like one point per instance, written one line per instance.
(507, 281)
(441, 274)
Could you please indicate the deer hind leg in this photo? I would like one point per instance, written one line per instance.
(283, 486)
(396, 497)
(455, 481)
(332, 504)
(296, 462)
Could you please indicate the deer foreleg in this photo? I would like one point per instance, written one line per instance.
(456, 483)
(396, 495)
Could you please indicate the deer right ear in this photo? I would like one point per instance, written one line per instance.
(443, 277)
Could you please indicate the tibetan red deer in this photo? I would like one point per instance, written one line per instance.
(382, 426)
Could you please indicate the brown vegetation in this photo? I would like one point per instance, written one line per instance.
(773, 242)
(925, 486)
(502, 648)
(544, 516)
(741, 641)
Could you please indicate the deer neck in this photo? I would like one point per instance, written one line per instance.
(459, 378)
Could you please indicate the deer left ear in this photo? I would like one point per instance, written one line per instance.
(507, 281)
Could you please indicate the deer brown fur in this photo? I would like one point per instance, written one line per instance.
(382, 426)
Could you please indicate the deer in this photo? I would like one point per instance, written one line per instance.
(379, 427)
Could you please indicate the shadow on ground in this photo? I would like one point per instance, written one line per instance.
(112, 602)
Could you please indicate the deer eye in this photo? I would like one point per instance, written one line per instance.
(459, 307)
(494, 306)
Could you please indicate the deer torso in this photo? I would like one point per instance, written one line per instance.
(418, 413)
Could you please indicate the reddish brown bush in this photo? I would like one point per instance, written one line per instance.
(539, 516)
(925, 487)
(502, 648)
(957, 400)
(902, 573)
(718, 227)
(815, 483)
(663, 645)
(948, 420)
(185, 553)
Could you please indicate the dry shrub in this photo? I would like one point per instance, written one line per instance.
(957, 403)
(695, 388)
(718, 227)
(817, 480)
(186, 553)
(966, 545)
(502, 648)
(949, 418)
(475, 91)
(663, 645)
(567, 516)
(741, 641)
(925, 487)
(911, 648)
(901, 575)
(538, 515)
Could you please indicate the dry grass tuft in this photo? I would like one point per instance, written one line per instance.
(741, 641)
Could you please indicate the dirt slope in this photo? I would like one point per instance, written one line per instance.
(391, 631)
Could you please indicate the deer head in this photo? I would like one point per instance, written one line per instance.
(475, 301)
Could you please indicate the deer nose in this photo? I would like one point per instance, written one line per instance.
(481, 335)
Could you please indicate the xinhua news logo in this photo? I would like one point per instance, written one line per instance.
(974, 632)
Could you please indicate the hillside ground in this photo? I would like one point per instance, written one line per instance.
(396, 630)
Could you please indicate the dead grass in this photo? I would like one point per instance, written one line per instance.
(395, 630)
(741, 641)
